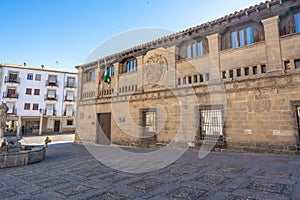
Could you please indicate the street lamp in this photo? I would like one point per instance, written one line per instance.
(41, 121)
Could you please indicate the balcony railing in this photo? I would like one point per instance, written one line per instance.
(49, 112)
(12, 111)
(51, 98)
(69, 113)
(8, 79)
(51, 83)
(9, 95)
(70, 85)
(69, 98)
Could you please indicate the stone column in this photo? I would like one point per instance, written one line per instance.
(273, 52)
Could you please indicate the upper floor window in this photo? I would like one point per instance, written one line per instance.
(38, 77)
(36, 91)
(29, 76)
(111, 71)
(70, 96)
(70, 82)
(27, 106)
(91, 75)
(290, 22)
(194, 50)
(129, 66)
(12, 77)
(35, 106)
(28, 91)
(297, 22)
(51, 94)
(242, 37)
(10, 106)
(52, 79)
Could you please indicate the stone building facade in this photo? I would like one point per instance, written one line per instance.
(232, 83)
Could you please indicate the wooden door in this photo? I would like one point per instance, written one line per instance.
(103, 135)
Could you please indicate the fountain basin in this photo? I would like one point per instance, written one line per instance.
(27, 155)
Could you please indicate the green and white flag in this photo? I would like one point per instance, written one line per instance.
(106, 78)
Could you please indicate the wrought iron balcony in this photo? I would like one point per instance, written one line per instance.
(51, 98)
(70, 113)
(9, 95)
(51, 83)
(70, 85)
(8, 79)
(69, 98)
(12, 111)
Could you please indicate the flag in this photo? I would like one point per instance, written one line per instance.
(106, 78)
(100, 74)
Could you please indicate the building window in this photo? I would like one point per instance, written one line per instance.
(211, 123)
(179, 81)
(195, 79)
(242, 37)
(11, 93)
(148, 117)
(36, 91)
(297, 22)
(230, 73)
(51, 94)
(111, 71)
(12, 77)
(28, 91)
(184, 81)
(69, 110)
(27, 106)
(69, 96)
(131, 66)
(70, 82)
(297, 64)
(201, 78)
(263, 69)
(38, 77)
(10, 106)
(70, 122)
(49, 109)
(247, 72)
(255, 70)
(194, 50)
(52, 79)
(207, 77)
(29, 76)
(35, 106)
(238, 72)
(224, 74)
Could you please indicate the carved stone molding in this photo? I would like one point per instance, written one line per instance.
(259, 102)
(155, 68)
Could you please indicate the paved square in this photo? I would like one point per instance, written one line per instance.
(70, 172)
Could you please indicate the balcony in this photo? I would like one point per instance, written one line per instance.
(70, 85)
(52, 83)
(68, 98)
(49, 112)
(10, 95)
(69, 113)
(9, 79)
(12, 111)
(51, 98)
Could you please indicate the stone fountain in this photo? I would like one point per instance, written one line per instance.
(12, 153)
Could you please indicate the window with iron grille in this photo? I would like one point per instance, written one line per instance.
(211, 123)
(148, 120)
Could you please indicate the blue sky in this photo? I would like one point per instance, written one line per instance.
(46, 31)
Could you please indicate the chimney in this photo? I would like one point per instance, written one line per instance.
(42, 66)
(25, 64)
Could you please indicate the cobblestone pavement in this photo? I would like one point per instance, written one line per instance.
(70, 172)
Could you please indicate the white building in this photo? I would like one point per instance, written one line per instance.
(39, 100)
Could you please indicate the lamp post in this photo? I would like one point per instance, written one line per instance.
(41, 121)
